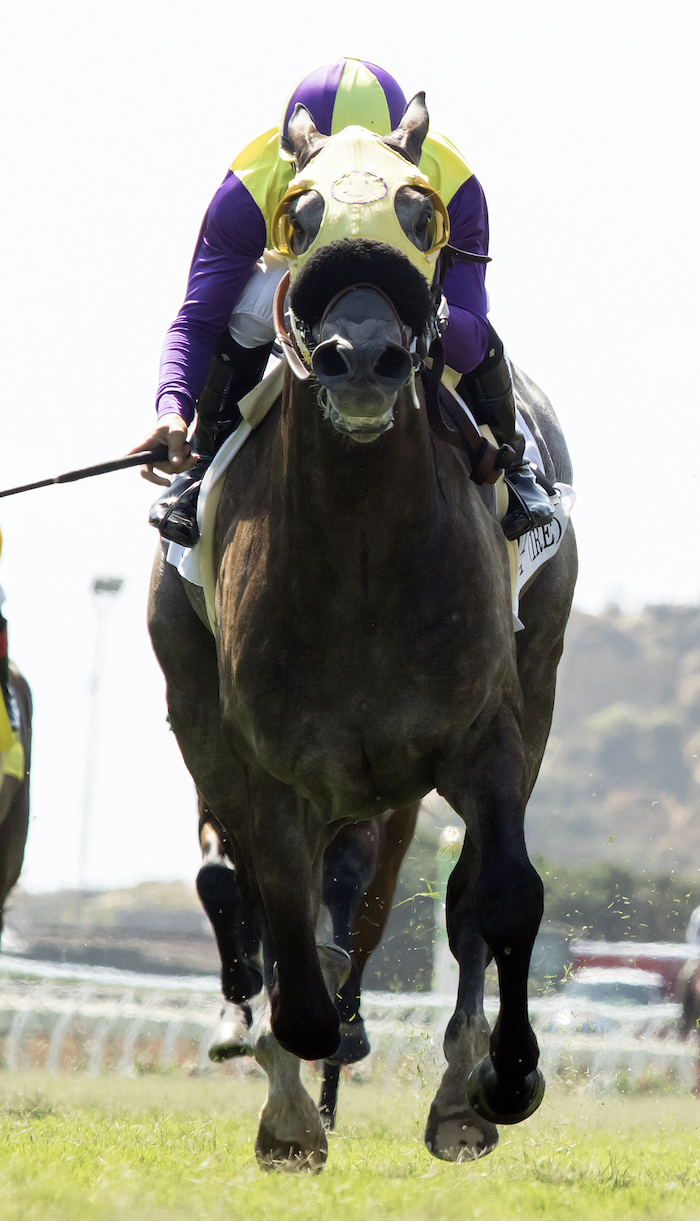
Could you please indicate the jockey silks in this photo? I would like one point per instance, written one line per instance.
(236, 231)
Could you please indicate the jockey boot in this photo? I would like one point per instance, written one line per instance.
(489, 390)
(233, 372)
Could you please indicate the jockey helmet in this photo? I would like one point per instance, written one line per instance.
(349, 91)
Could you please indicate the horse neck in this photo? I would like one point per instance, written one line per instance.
(331, 485)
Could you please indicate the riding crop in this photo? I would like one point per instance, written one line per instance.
(145, 457)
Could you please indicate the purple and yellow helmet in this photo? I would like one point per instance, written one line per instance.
(349, 92)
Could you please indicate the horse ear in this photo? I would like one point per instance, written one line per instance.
(408, 137)
(304, 139)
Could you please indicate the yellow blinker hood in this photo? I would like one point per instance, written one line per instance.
(358, 176)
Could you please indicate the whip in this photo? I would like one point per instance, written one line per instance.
(143, 458)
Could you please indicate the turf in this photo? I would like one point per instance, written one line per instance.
(157, 1148)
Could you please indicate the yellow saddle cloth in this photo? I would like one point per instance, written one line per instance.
(5, 729)
(11, 749)
(13, 759)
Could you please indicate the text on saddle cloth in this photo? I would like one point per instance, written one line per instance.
(196, 564)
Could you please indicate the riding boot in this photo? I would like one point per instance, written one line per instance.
(489, 390)
(233, 372)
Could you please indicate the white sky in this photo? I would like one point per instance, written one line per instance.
(581, 121)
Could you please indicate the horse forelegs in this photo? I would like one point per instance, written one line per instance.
(454, 1131)
(506, 1086)
(286, 849)
(292, 1134)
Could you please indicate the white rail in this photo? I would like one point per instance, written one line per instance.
(62, 1018)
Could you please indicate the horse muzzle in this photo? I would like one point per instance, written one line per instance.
(362, 363)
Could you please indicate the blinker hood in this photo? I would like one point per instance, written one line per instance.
(358, 177)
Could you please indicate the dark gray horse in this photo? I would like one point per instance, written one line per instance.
(364, 655)
(14, 797)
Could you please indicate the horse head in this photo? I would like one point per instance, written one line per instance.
(362, 230)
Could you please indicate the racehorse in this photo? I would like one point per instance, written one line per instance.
(360, 870)
(363, 655)
(14, 796)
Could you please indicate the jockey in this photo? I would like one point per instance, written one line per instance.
(217, 348)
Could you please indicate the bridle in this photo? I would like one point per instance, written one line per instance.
(486, 460)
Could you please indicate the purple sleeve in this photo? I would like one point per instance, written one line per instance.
(466, 335)
(231, 240)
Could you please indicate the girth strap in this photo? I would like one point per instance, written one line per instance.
(485, 459)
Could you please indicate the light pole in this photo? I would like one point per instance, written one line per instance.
(105, 590)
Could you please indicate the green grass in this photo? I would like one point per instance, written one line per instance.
(156, 1148)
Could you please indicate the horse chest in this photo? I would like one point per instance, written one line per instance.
(359, 705)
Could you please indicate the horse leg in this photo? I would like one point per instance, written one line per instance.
(292, 1135)
(375, 908)
(506, 1086)
(454, 1132)
(284, 844)
(187, 655)
(391, 836)
(349, 863)
(237, 939)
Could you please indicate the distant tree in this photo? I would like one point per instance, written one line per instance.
(605, 901)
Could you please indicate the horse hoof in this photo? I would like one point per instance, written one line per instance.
(354, 1044)
(503, 1101)
(288, 1156)
(231, 1037)
(335, 967)
(460, 1137)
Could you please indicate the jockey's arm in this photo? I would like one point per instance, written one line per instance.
(467, 332)
(231, 240)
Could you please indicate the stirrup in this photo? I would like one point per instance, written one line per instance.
(174, 513)
(530, 507)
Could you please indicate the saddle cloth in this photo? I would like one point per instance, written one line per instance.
(196, 564)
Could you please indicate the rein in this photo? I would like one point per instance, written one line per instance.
(485, 459)
(291, 355)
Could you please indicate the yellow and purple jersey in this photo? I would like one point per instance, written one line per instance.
(237, 226)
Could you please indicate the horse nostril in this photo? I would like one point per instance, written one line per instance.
(393, 365)
(329, 362)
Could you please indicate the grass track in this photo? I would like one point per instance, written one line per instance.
(157, 1148)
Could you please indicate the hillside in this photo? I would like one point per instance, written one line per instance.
(620, 780)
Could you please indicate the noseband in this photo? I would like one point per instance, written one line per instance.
(485, 459)
(296, 354)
